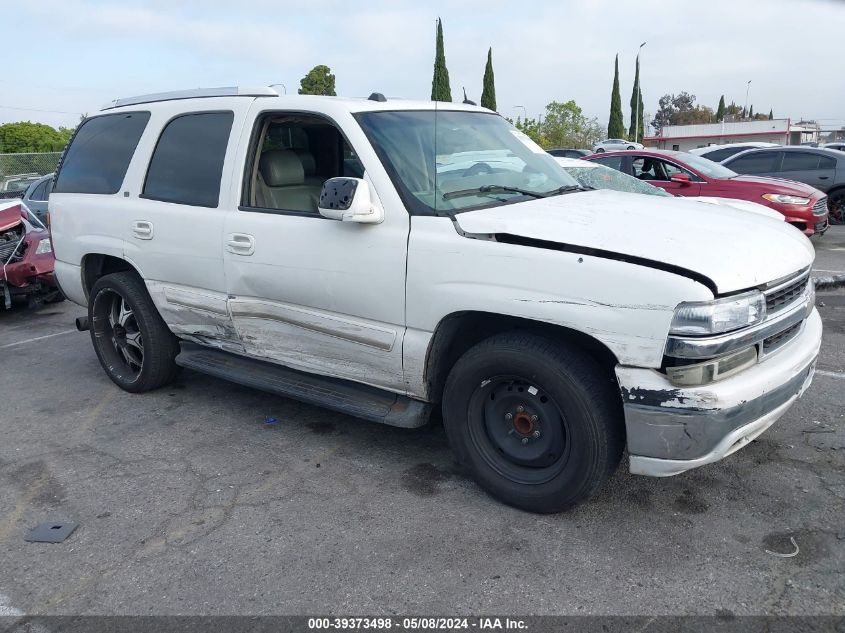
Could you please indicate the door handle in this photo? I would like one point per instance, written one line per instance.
(240, 244)
(823, 177)
(142, 229)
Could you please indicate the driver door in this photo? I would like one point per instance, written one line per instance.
(314, 294)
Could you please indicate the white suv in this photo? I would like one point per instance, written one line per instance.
(383, 258)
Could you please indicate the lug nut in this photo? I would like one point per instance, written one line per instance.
(534, 418)
(520, 409)
(525, 440)
(536, 433)
(509, 416)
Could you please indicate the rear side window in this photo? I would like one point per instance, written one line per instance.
(754, 163)
(40, 192)
(187, 163)
(718, 155)
(98, 157)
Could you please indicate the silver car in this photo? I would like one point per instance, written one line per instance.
(615, 145)
(36, 196)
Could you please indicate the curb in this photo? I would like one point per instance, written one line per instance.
(831, 282)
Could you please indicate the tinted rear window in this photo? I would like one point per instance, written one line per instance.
(188, 160)
(754, 163)
(98, 157)
(718, 155)
(799, 161)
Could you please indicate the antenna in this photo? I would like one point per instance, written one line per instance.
(466, 100)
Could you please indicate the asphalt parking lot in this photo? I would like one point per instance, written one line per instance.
(189, 503)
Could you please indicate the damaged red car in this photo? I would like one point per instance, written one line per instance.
(26, 257)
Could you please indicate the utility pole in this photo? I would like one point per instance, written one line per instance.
(524, 112)
(637, 97)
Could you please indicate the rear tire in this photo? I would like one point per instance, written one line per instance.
(600, 150)
(630, 147)
(132, 342)
(537, 424)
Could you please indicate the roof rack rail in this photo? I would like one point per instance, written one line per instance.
(195, 93)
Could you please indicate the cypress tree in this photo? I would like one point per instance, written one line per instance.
(488, 94)
(751, 112)
(636, 106)
(720, 111)
(771, 115)
(616, 124)
(440, 90)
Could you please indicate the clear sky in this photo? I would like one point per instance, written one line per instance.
(71, 56)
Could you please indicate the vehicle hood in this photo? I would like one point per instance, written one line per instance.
(10, 215)
(734, 249)
(791, 187)
(745, 205)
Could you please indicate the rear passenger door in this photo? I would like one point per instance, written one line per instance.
(173, 219)
(764, 163)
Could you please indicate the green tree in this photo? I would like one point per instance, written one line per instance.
(720, 111)
(681, 109)
(488, 94)
(318, 81)
(616, 125)
(771, 115)
(26, 136)
(751, 112)
(636, 108)
(440, 90)
(566, 126)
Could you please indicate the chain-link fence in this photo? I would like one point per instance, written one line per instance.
(17, 171)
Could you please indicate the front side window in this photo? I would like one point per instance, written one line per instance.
(99, 154)
(187, 163)
(447, 161)
(799, 161)
(294, 156)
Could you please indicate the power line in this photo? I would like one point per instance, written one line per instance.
(3, 107)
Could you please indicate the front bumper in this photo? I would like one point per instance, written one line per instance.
(671, 429)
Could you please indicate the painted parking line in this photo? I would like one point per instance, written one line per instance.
(7, 610)
(830, 374)
(37, 338)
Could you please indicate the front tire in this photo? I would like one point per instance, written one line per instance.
(630, 147)
(537, 424)
(600, 150)
(836, 206)
(133, 344)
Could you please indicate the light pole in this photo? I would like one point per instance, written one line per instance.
(524, 112)
(282, 85)
(745, 109)
(637, 97)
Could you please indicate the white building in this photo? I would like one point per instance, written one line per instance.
(686, 137)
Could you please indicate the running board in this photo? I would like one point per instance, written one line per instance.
(360, 401)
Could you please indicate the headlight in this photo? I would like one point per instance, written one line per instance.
(712, 370)
(44, 246)
(785, 199)
(721, 315)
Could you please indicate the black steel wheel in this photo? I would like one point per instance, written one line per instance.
(836, 206)
(538, 424)
(132, 342)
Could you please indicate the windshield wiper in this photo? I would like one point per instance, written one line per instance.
(568, 189)
(492, 189)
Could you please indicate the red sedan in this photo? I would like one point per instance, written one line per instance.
(686, 174)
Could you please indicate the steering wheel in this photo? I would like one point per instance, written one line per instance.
(478, 169)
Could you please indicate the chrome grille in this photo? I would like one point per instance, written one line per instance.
(785, 295)
(820, 208)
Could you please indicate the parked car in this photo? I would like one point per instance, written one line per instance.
(818, 167)
(718, 153)
(615, 144)
(569, 153)
(838, 145)
(551, 324)
(26, 257)
(36, 197)
(13, 186)
(597, 176)
(685, 174)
